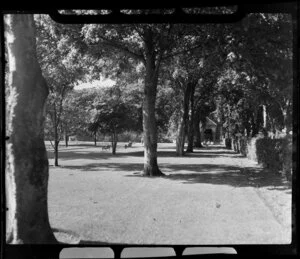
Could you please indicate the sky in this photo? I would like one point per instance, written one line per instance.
(96, 83)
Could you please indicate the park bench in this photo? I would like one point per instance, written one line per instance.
(105, 147)
(128, 145)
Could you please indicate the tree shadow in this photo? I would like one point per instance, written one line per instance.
(222, 174)
(76, 152)
(204, 153)
(187, 173)
(65, 155)
(247, 177)
(215, 174)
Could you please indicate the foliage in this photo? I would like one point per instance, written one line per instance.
(258, 72)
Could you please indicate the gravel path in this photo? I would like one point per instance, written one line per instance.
(212, 196)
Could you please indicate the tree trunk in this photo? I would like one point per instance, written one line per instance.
(196, 125)
(149, 120)
(190, 147)
(254, 127)
(66, 139)
(114, 142)
(180, 138)
(56, 140)
(182, 128)
(27, 219)
(95, 138)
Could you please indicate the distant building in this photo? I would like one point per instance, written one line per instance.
(211, 131)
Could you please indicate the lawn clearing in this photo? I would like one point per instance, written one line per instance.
(212, 196)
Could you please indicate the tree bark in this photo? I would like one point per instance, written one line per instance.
(190, 147)
(56, 143)
(66, 139)
(182, 128)
(196, 125)
(56, 139)
(27, 219)
(149, 120)
(114, 141)
(95, 138)
(180, 138)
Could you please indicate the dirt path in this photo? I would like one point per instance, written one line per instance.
(212, 196)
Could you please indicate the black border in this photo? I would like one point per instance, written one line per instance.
(292, 7)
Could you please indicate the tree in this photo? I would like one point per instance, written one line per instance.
(260, 54)
(148, 45)
(113, 116)
(27, 162)
(62, 67)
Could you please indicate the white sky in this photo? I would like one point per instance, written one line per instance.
(96, 83)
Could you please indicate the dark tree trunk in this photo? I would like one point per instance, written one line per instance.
(66, 139)
(56, 152)
(254, 126)
(182, 128)
(190, 147)
(27, 219)
(149, 120)
(95, 138)
(56, 140)
(114, 140)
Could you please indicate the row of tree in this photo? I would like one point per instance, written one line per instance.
(171, 76)
(253, 77)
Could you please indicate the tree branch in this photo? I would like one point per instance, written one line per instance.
(181, 52)
(122, 48)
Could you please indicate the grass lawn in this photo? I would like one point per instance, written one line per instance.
(212, 196)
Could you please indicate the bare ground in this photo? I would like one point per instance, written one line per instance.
(212, 196)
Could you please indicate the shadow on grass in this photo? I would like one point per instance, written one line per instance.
(226, 175)
(65, 155)
(79, 152)
(222, 174)
(216, 174)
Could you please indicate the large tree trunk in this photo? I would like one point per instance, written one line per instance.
(149, 120)
(190, 147)
(182, 127)
(27, 219)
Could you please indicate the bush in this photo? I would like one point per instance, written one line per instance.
(275, 154)
(272, 153)
(268, 152)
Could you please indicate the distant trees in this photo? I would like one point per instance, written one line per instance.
(113, 115)
(255, 87)
(206, 68)
(147, 45)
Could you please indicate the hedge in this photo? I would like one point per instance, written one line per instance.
(275, 154)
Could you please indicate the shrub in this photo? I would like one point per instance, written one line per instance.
(268, 152)
(275, 154)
